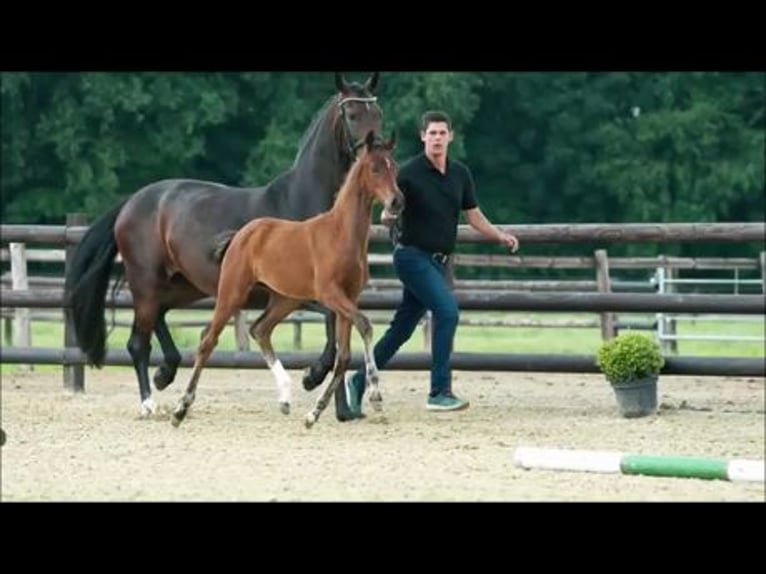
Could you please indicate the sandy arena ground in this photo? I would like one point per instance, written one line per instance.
(236, 446)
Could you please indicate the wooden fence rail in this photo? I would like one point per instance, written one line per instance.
(485, 301)
(521, 261)
(543, 233)
(470, 297)
(712, 366)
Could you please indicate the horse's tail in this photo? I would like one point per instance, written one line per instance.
(86, 282)
(221, 244)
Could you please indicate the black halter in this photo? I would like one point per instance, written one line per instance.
(353, 146)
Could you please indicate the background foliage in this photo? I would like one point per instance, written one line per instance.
(544, 147)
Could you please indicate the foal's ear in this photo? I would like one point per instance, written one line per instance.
(372, 82)
(340, 83)
(369, 140)
(391, 143)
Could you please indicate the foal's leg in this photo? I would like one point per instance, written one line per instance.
(337, 300)
(277, 309)
(363, 325)
(225, 306)
(342, 358)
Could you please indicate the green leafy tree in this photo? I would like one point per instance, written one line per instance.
(544, 147)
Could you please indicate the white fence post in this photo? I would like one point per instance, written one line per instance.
(241, 333)
(21, 333)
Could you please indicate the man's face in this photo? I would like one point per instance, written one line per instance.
(436, 138)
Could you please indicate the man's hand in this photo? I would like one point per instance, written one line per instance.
(386, 218)
(509, 241)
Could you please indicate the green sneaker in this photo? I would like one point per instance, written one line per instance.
(446, 403)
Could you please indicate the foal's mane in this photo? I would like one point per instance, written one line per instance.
(353, 173)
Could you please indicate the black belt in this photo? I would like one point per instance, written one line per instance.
(439, 257)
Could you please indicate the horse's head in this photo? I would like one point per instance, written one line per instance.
(378, 172)
(358, 112)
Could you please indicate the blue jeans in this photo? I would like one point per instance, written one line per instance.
(425, 288)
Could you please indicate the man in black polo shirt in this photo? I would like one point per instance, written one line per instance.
(436, 190)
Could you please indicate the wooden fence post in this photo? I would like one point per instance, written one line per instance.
(21, 333)
(604, 286)
(427, 331)
(8, 330)
(671, 325)
(298, 331)
(74, 375)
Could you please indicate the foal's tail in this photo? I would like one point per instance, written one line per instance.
(222, 242)
(86, 283)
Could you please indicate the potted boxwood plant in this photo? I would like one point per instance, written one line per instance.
(631, 362)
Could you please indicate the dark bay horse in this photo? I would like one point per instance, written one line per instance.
(321, 259)
(167, 231)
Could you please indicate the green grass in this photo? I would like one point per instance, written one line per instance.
(474, 339)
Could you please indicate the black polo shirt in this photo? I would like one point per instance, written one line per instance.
(433, 203)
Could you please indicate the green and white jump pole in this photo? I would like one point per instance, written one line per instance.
(617, 462)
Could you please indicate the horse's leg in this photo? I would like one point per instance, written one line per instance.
(145, 312)
(315, 374)
(166, 372)
(277, 309)
(342, 359)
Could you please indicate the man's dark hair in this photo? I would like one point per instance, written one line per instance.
(434, 116)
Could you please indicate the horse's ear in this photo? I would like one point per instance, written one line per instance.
(340, 83)
(369, 140)
(372, 82)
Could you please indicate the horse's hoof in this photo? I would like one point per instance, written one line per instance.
(308, 381)
(310, 420)
(284, 408)
(148, 408)
(2, 437)
(162, 379)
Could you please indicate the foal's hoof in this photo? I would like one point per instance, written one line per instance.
(2, 437)
(376, 400)
(284, 408)
(177, 417)
(310, 420)
(309, 380)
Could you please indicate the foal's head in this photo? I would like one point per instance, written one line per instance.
(375, 173)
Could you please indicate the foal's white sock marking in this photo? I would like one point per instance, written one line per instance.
(370, 366)
(284, 382)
